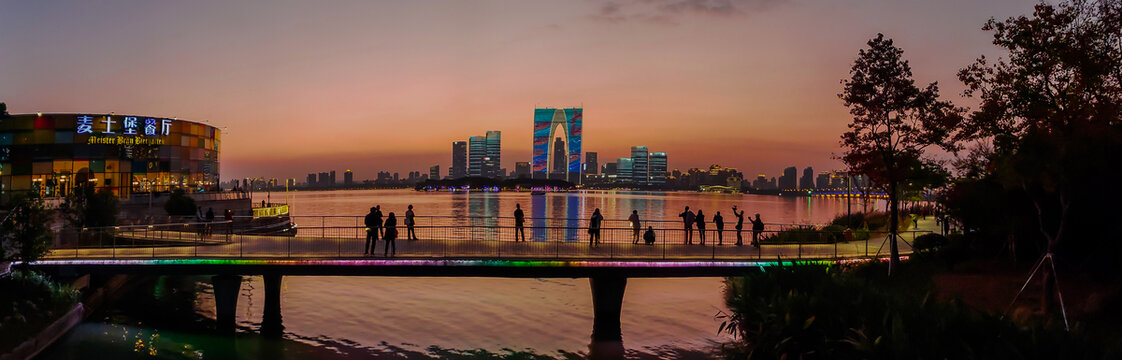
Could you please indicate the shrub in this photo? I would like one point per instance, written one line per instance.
(179, 204)
(28, 303)
(24, 234)
(929, 242)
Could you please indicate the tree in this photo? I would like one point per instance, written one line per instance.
(179, 204)
(87, 207)
(1053, 112)
(24, 231)
(894, 121)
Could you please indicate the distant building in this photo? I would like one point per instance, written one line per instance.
(348, 178)
(807, 180)
(762, 183)
(560, 166)
(625, 170)
(311, 181)
(789, 179)
(290, 183)
(823, 180)
(477, 150)
(640, 165)
(591, 166)
(434, 172)
(492, 158)
(459, 166)
(332, 183)
(657, 168)
(610, 169)
(324, 179)
(522, 170)
(548, 124)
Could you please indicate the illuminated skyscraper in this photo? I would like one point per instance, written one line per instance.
(625, 170)
(591, 166)
(492, 158)
(549, 123)
(657, 168)
(640, 165)
(434, 172)
(348, 178)
(477, 150)
(459, 160)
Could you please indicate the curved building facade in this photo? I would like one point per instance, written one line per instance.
(52, 153)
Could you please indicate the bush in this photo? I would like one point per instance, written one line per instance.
(803, 234)
(818, 312)
(29, 302)
(179, 204)
(24, 234)
(853, 221)
(929, 242)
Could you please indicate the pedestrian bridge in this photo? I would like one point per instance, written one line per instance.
(464, 246)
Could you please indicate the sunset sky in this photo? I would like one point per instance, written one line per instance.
(303, 87)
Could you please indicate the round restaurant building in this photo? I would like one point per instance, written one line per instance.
(53, 153)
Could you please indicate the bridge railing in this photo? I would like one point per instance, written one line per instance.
(333, 239)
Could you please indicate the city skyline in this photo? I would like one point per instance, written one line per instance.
(265, 83)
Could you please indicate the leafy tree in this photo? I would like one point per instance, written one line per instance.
(1052, 110)
(87, 207)
(179, 204)
(894, 121)
(24, 234)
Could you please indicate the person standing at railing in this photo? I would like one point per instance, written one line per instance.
(209, 219)
(594, 227)
(228, 215)
(378, 220)
(757, 228)
(409, 222)
(739, 225)
(519, 220)
(371, 232)
(720, 222)
(687, 218)
(634, 219)
(700, 226)
(391, 235)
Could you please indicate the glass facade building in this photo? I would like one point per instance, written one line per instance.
(52, 153)
(658, 168)
(639, 165)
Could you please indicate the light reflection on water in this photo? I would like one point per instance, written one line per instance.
(328, 317)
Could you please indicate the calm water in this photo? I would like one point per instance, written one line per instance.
(340, 317)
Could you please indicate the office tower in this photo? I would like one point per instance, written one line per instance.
(459, 166)
(657, 168)
(807, 181)
(434, 172)
(823, 180)
(324, 179)
(558, 162)
(396, 178)
(332, 183)
(492, 157)
(311, 180)
(624, 170)
(640, 165)
(348, 178)
(548, 124)
(522, 169)
(789, 179)
(591, 166)
(477, 150)
(610, 169)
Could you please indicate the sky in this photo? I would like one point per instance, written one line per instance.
(311, 86)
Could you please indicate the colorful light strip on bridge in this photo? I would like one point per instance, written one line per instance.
(452, 263)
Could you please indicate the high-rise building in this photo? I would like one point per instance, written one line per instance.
(522, 169)
(547, 122)
(348, 178)
(477, 150)
(311, 181)
(807, 181)
(625, 170)
(657, 168)
(640, 165)
(610, 169)
(325, 179)
(290, 183)
(591, 166)
(332, 178)
(823, 180)
(459, 166)
(493, 155)
(789, 179)
(434, 172)
(559, 164)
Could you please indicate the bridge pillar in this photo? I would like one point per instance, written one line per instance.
(271, 319)
(607, 301)
(226, 290)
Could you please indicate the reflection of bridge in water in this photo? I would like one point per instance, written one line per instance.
(446, 246)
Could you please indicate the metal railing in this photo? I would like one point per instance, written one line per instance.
(459, 238)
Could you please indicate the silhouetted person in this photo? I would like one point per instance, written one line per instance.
(228, 215)
(720, 222)
(209, 218)
(391, 235)
(700, 220)
(594, 227)
(409, 222)
(634, 219)
(687, 219)
(519, 220)
(378, 220)
(757, 228)
(371, 231)
(739, 225)
(649, 236)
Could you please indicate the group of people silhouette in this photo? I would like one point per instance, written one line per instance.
(690, 220)
(387, 230)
